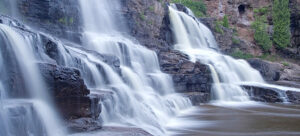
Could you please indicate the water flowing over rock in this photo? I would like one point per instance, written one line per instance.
(22, 46)
(190, 39)
(118, 67)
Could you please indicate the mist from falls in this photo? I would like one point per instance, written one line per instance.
(197, 41)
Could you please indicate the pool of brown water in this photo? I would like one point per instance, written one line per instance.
(237, 119)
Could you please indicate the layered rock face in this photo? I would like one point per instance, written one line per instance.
(70, 92)
(271, 95)
(294, 52)
(148, 22)
(57, 17)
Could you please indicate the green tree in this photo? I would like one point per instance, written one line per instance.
(261, 35)
(281, 21)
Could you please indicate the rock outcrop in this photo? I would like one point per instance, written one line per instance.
(271, 94)
(270, 71)
(57, 17)
(188, 77)
(148, 22)
(63, 81)
(295, 25)
(263, 94)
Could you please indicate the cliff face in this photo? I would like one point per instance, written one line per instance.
(57, 17)
(241, 15)
(295, 23)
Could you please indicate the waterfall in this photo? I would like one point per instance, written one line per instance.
(142, 95)
(25, 116)
(197, 41)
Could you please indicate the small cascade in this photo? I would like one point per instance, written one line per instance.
(31, 114)
(196, 40)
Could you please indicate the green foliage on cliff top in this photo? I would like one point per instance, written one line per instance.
(197, 6)
(281, 21)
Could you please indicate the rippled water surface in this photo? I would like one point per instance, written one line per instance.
(236, 119)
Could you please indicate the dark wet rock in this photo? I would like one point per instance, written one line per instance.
(70, 92)
(58, 17)
(78, 107)
(197, 97)
(263, 94)
(295, 27)
(148, 22)
(271, 94)
(187, 76)
(293, 97)
(83, 125)
(63, 81)
(269, 71)
(291, 53)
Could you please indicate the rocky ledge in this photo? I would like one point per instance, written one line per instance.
(192, 79)
(271, 94)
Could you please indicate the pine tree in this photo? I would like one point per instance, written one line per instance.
(281, 21)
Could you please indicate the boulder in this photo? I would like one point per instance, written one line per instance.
(293, 97)
(270, 71)
(63, 81)
(70, 92)
(271, 94)
(79, 107)
(187, 76)
(263, 94)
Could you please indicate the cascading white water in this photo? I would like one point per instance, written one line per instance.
(143, 95)
(196, 40)
(32, 116)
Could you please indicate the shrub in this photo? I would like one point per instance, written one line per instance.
(225, 21)
(218, 27)
(285, 64)
(198, 7)
(281, 21)
(235, 40)
(241, 55)
(142, 16)
(261, 11)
